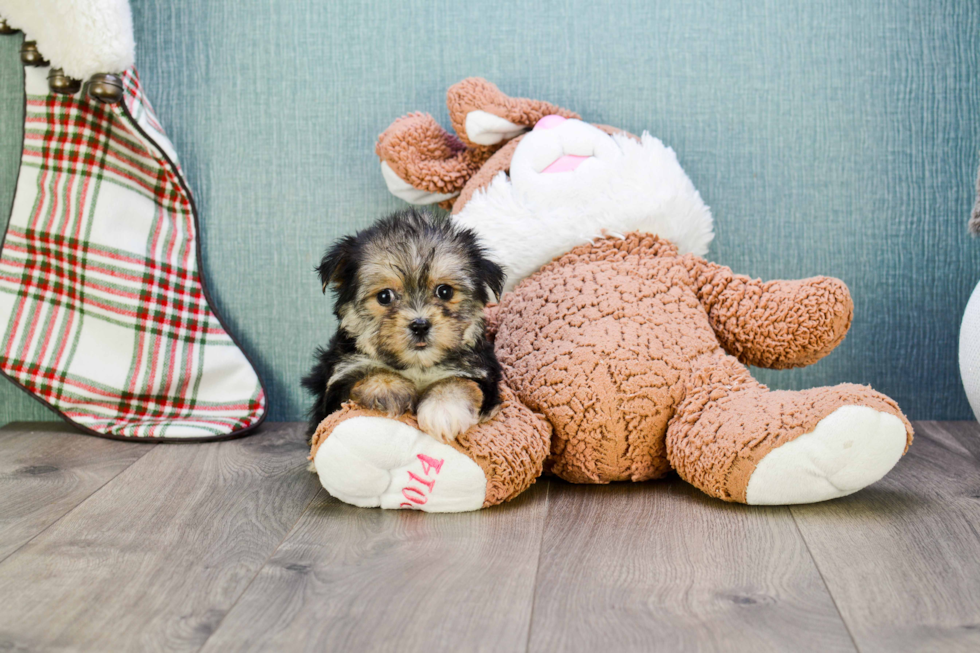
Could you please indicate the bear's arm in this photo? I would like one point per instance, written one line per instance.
(774, 324)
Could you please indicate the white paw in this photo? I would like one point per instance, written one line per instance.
(373, 461)
(848, 450)
(446, 419)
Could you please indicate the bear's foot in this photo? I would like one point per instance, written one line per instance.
(367, 459)
(735, 439)
(378, 462)
(847, 451)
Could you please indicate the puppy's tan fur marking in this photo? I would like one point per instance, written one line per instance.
(449, 407)
(386, 392)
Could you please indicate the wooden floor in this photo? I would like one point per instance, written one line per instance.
(233, 546)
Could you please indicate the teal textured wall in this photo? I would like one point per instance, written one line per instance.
(835, 138)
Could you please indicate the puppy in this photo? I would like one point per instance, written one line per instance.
(410, 293)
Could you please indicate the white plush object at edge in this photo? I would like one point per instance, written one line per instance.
(530, 217)
(970, 351)
(405, 191)
(367, 462)
(487, 129)
(848, 450)
(83, 37)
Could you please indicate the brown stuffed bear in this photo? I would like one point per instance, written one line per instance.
(624, 351)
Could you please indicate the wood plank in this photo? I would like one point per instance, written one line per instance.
(350, 579)
(662, 567)
(46, 469)
(966, 434)
(902, 558)
(156, 559)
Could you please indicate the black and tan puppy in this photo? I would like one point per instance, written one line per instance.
(410, 293)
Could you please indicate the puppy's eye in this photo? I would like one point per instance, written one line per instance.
(385, 297)
(444, 292)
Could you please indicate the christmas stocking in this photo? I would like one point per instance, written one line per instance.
(104, 314)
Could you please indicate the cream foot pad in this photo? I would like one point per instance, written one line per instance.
(848, 450)
(373, 461)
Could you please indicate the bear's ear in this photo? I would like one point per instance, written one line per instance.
(421, 162)
(339, 264)
(486, 118)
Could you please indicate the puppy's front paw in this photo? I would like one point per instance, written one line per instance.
(449, 408)
(387, 393)
(444, 420)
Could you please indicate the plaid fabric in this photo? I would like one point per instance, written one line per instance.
(102, 310)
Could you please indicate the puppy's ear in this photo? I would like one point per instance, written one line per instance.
(492, 276)
(338, 265)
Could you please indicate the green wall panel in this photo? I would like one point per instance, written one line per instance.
(834, 138)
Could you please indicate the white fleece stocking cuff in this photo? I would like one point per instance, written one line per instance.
(83, 37)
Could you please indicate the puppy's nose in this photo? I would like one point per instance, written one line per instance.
(420, 327)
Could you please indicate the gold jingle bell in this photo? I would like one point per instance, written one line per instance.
(105, 87)
(30, 55)
(62, 84)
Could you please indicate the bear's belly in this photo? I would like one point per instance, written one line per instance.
(601, 342)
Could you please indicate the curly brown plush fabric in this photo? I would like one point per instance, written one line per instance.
(510, 449)
(774, 324)
(599, 341)
(612, 342)
(428, 157)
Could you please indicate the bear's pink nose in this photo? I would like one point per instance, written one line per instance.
(549, 122)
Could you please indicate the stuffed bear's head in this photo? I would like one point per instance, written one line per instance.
(534, 195)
